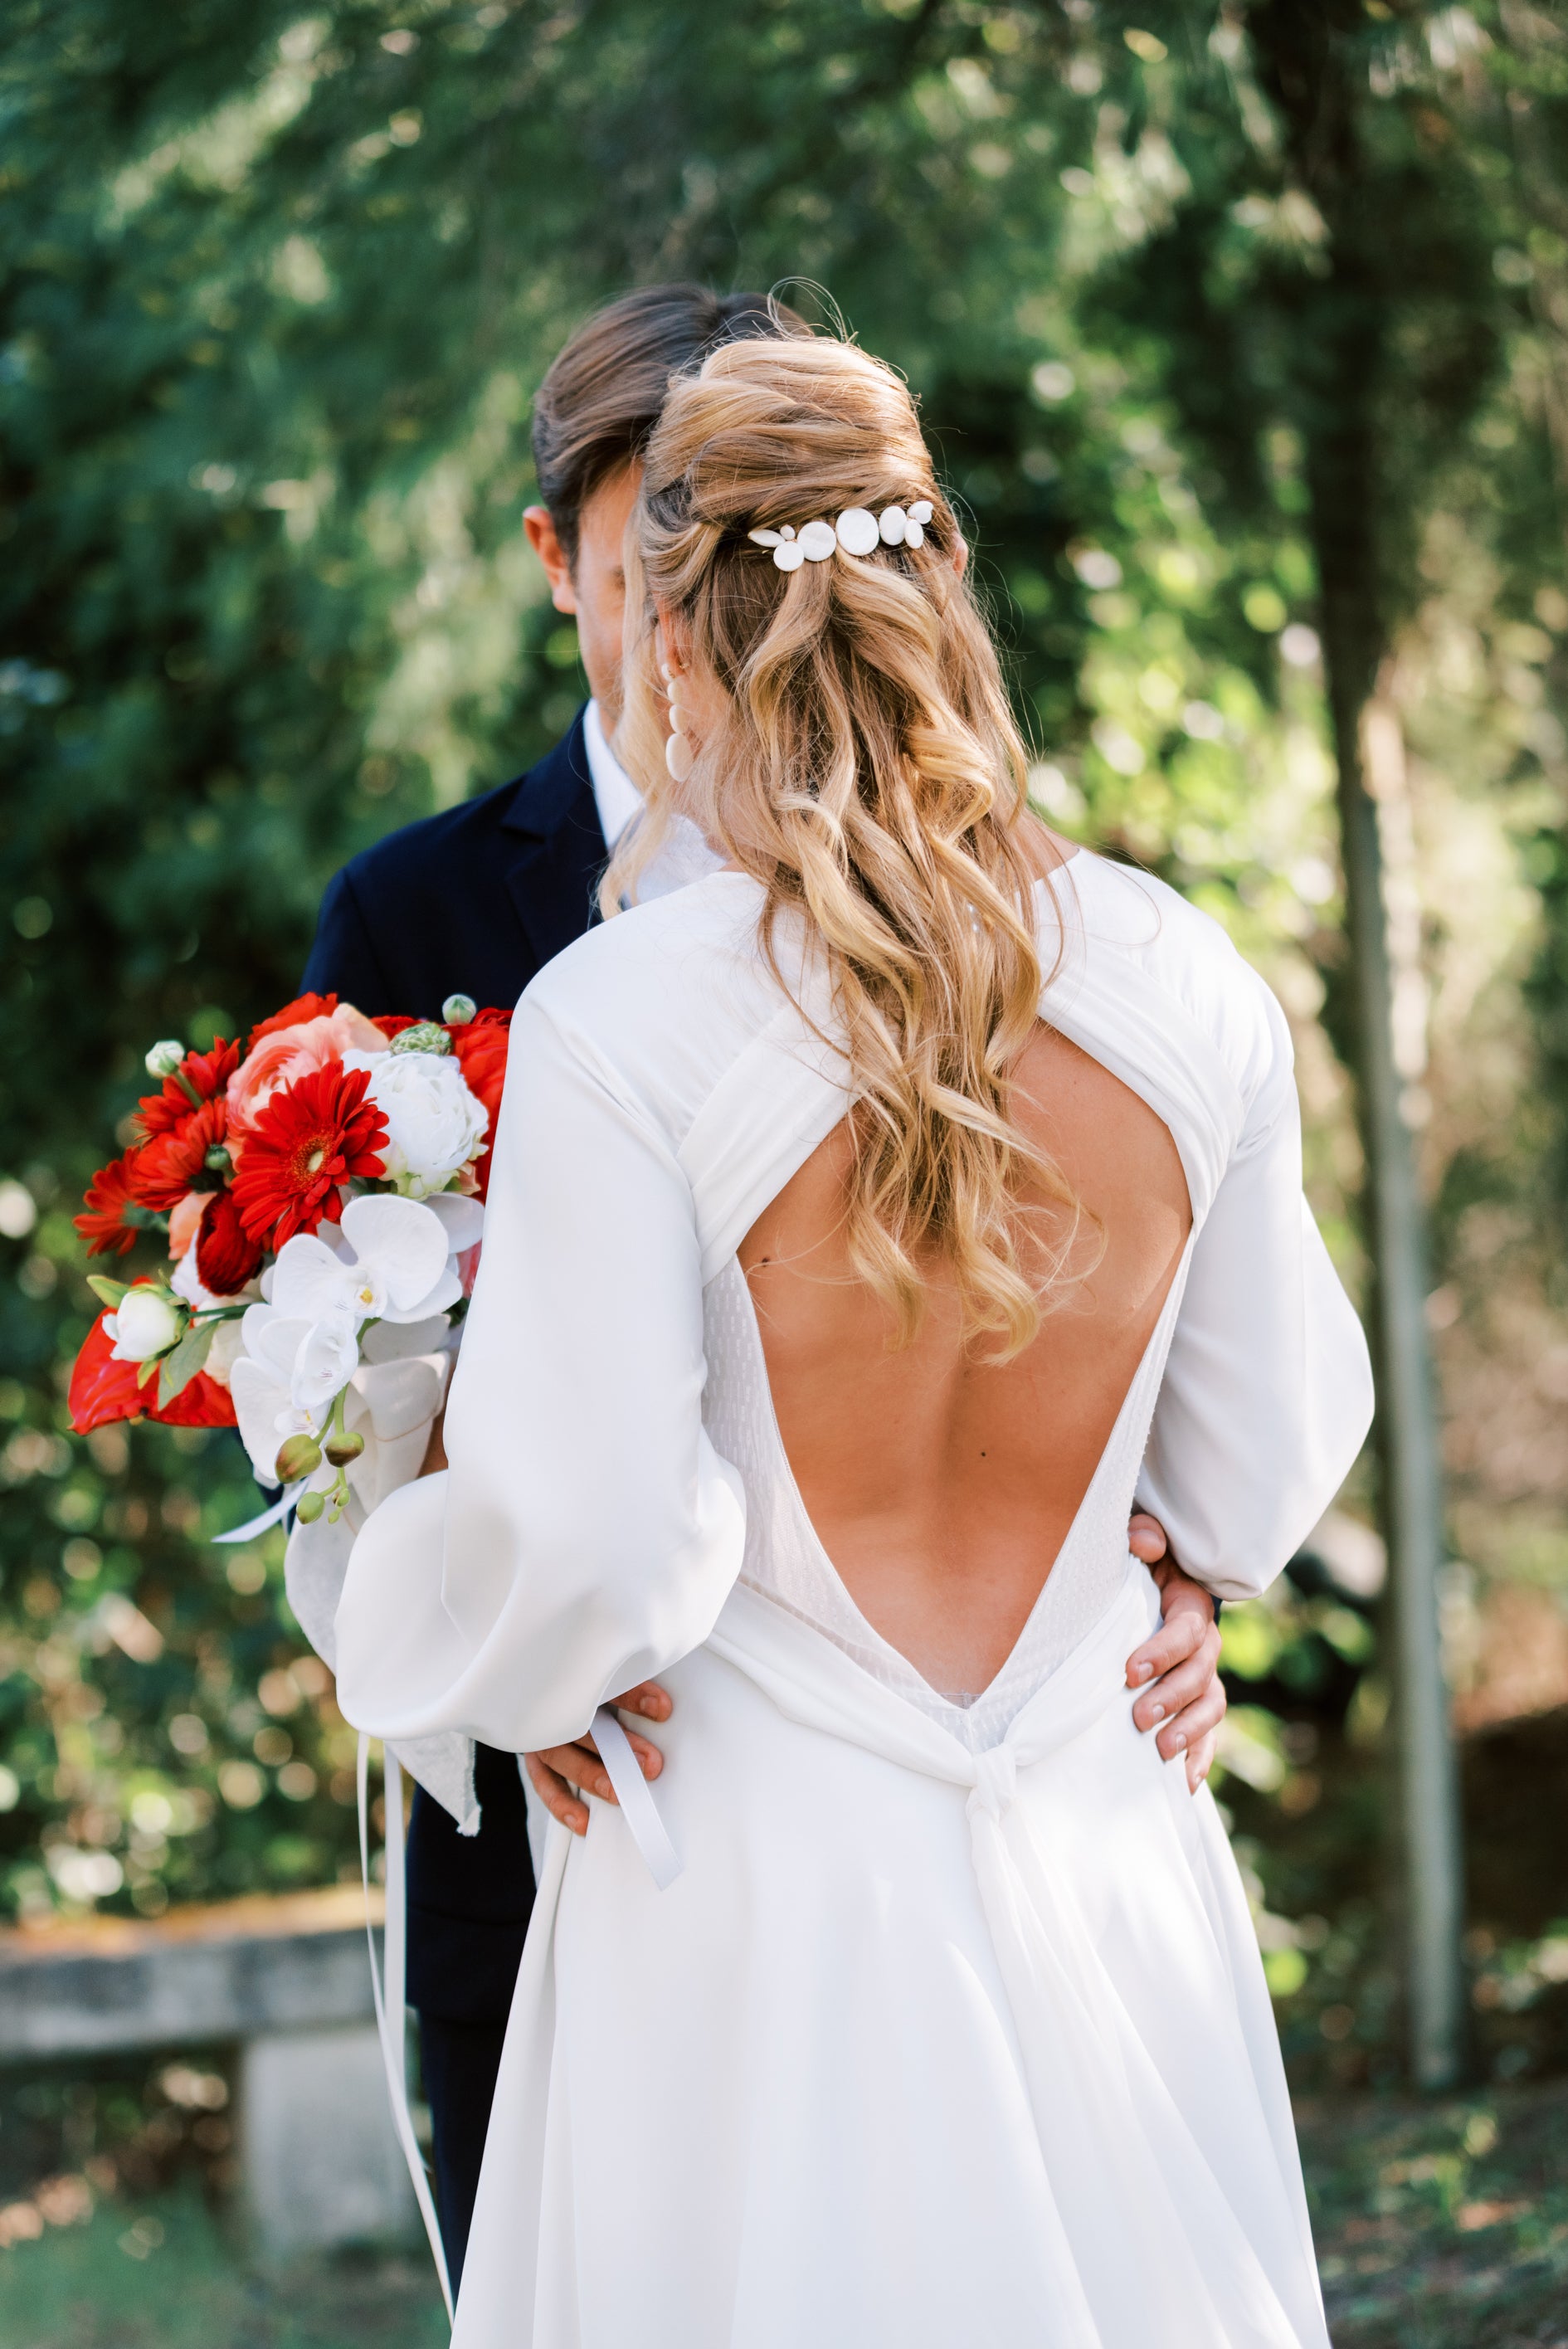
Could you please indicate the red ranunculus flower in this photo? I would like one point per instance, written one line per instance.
(304, 1146)
(207, 1074)
(103, 1390)
(392, 1023)
(481, 1045)
(175, 1162)
(293, 1015)
(226, 1257)
(110, 1192)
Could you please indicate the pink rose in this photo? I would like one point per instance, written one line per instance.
(288, 1053)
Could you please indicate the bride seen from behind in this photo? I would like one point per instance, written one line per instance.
(885, 1212)
(993, 1174)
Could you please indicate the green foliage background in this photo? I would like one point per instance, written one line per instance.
(275, 286)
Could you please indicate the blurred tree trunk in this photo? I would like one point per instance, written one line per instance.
(1306, 52)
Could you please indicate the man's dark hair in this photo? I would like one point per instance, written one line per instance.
(600, 401)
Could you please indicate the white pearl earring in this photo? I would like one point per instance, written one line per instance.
(679, 757)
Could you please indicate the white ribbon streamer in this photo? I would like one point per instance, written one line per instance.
(391, 2010)
(254, 1525)
(638, 1804)
(647, 1832)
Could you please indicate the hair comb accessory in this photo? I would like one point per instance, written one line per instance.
(904, 525)
(858, 531)
(788, 552)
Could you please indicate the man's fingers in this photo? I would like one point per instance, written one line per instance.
(651, 1759)
(648, 1699)
(1194, 1721)
(1183, 1685)
(1146, 1539)
(560, 1769)
(580, 1765)
(555, 1793)
(1199, 1761)
(1175, 1641)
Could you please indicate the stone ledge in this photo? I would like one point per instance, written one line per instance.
(232, 1970)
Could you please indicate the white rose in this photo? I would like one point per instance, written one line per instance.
(435, 1125)
(144, 1323)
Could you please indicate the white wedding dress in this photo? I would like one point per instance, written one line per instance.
(952, 2030)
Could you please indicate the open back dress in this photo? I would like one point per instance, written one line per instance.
(951, 2029)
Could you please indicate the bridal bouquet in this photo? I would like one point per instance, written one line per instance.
(322, 1197)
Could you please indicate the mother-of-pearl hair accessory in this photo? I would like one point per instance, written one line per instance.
(858, 531)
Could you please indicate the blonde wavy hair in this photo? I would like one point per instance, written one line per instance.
(867, 773)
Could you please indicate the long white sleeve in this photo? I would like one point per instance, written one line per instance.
(1267, 1394)
(589, 1533)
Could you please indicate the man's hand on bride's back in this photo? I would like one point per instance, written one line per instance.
(558, 1772)
(1178, 1669)
(1176, 1672)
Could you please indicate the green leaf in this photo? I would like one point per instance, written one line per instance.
(179, 1365)
(108, 1291)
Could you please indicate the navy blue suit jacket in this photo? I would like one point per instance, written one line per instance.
(472, 902)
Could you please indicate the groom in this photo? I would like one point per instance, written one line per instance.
(474, 902)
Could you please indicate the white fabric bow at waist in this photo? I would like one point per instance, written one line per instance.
(1114, 2139)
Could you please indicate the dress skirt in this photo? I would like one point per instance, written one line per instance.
(923, 2049)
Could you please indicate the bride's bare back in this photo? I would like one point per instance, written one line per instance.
(942, 1487)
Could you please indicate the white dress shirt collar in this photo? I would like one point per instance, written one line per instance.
(615, 795)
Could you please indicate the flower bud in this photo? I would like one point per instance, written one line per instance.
(425, 1035)
(147, 1321)
(298, 1456)
(165, 1058)
(311, 1506)
(342, 1448)
(458, 1010)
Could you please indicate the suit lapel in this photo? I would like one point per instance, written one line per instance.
(555, 848)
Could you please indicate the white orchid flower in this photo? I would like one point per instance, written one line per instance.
(264, 1412)
(310, 1360)
(408, 1245)
(392, 1261)
(285, 1382)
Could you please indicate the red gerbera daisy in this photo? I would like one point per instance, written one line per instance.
(103, 1227)
(205, 1073)
(304, 1146)
(175, 1162)
(226, 1257)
